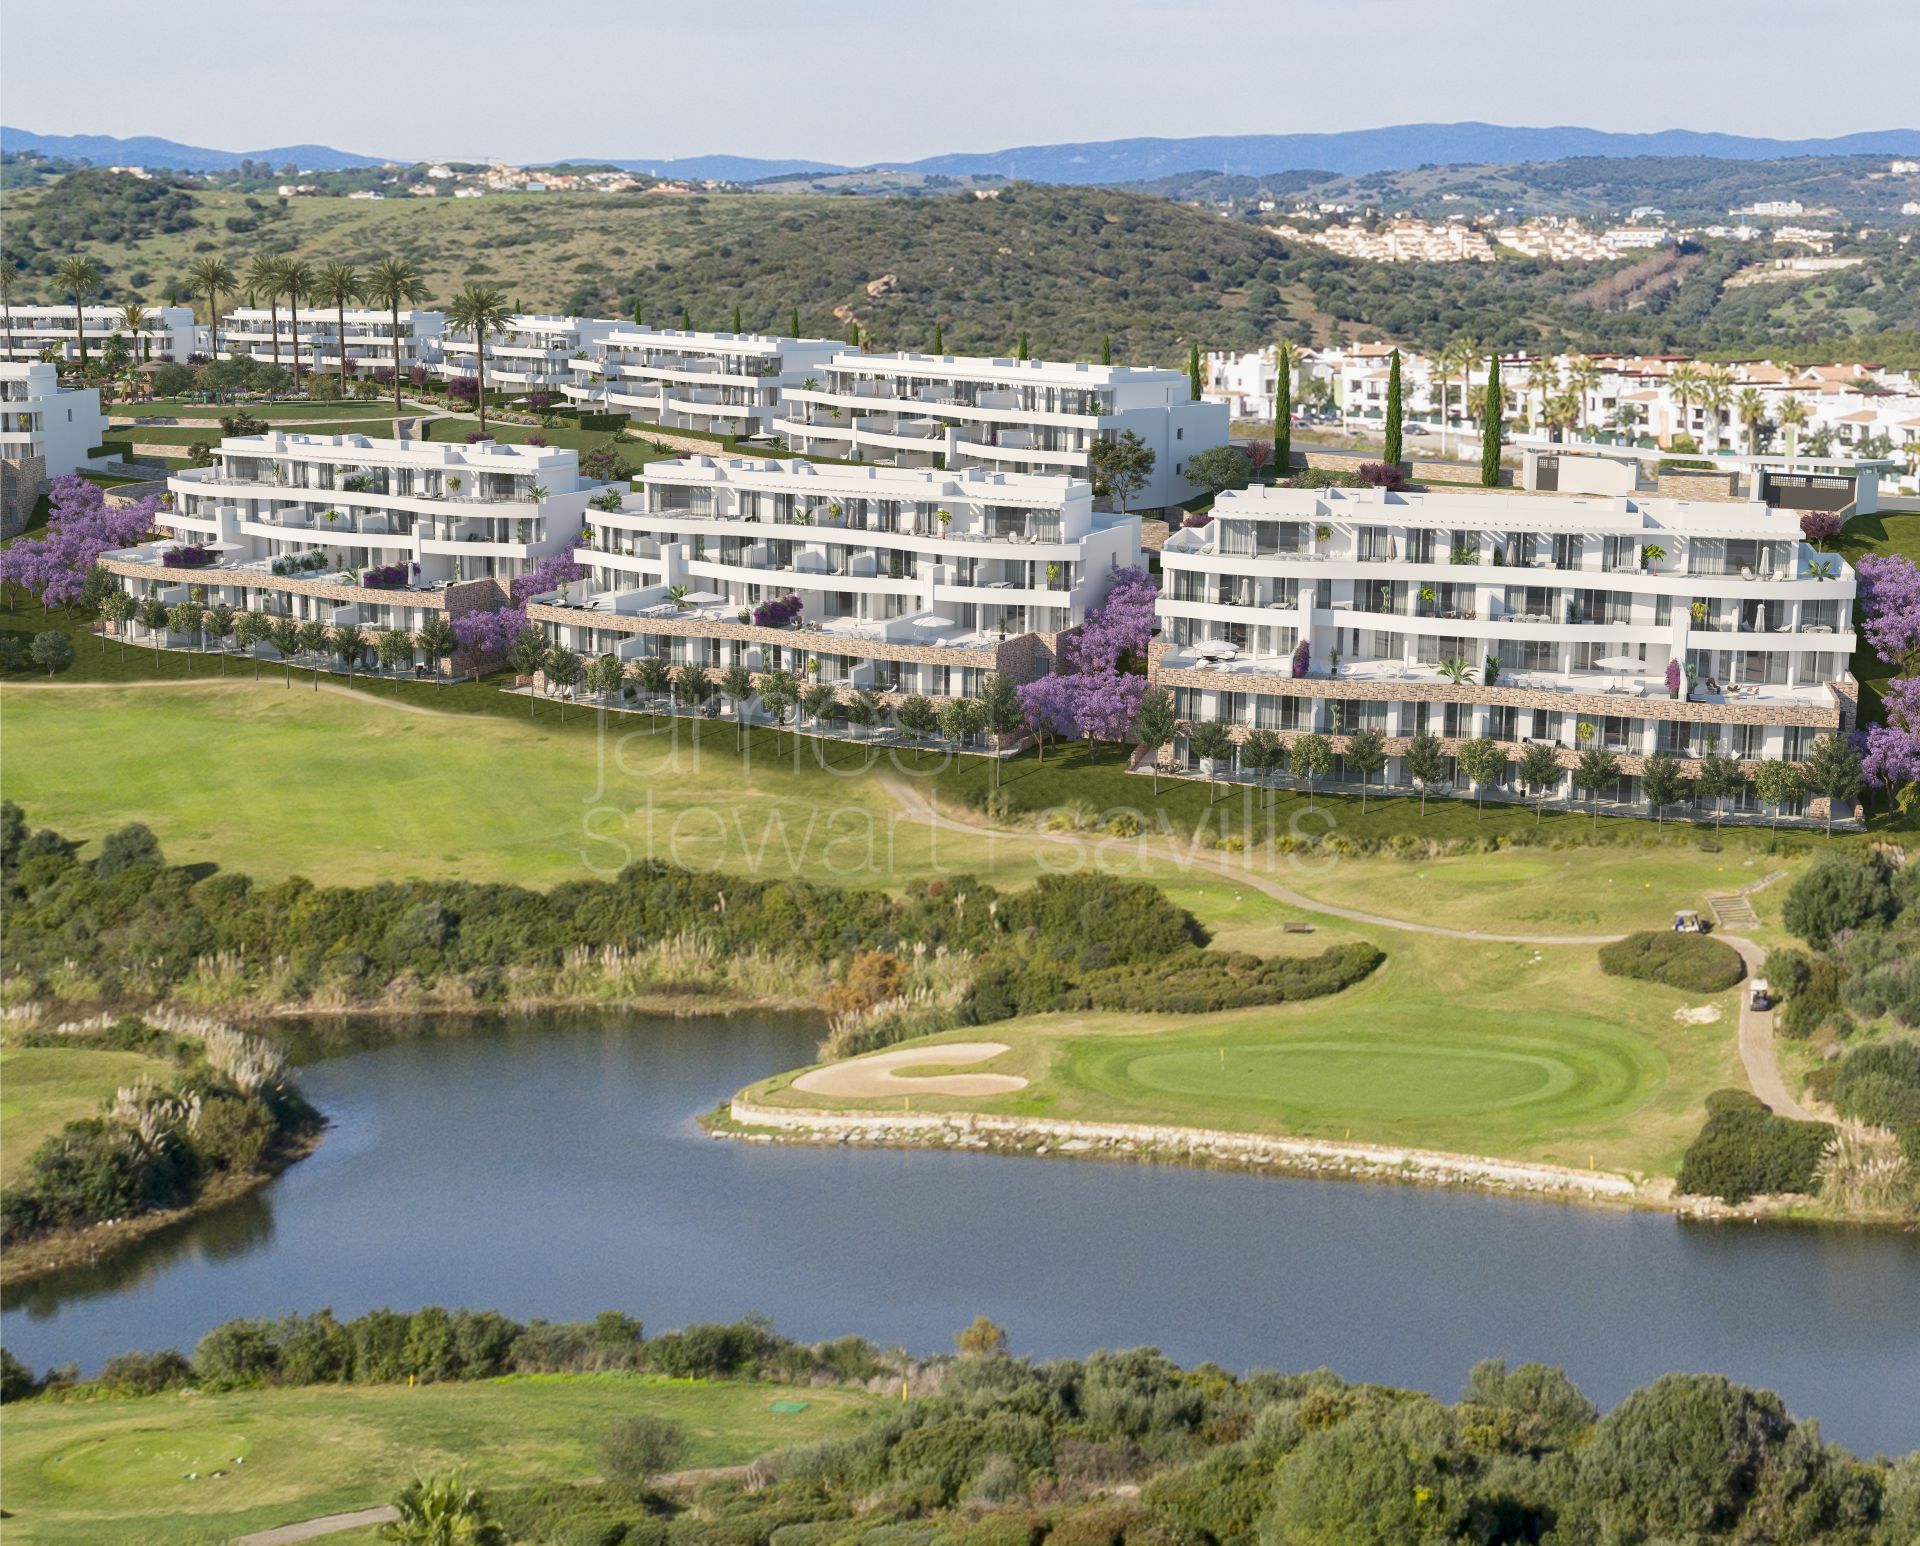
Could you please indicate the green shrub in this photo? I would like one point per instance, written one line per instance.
(1745, 1150)
(1787, 970)
(1880, 1083)
(1841, 891)
(1882, 974)
(1817, 1004)
(1690, 962)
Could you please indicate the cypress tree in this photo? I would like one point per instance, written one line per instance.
(1193, 370)
(1393, 411)
(1023, 345)
(793, 323)
(939, 338)
(639, 316)
(1283, 411)
(1106, 349)
(737, 329)
(1490, 428)
(686, 320)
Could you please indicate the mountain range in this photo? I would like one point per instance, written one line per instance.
(1354, 152)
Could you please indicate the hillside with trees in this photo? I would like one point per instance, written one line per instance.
(1069, 267)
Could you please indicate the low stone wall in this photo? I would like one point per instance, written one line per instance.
(1184, 1145)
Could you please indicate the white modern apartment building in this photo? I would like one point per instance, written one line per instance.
(348, 529)
(46, 431)
(1330, 611)
(715, 383)
(531, 353)
(247, 332)
(30, 330)
(1021, 416)
(904, 580)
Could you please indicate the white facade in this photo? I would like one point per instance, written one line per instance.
(943, 564)
(1021, 416)
(530, 353)
(31, 329)
(247, 332)
(1578, 604)
(40, 418)
(716, 383)
(306, 524)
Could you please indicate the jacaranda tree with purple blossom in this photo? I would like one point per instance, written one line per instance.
(1100, 696)
(488, 635)
(81, 526)
(560, 569)
(1890, 749)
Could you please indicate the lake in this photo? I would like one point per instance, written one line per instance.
(553, 1167)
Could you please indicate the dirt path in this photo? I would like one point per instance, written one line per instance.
(1756, 1042)
(879, 1074)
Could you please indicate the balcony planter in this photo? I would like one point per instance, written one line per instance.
(385, 577)
(191, 557)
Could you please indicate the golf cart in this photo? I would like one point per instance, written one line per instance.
(1760, 996)
(1687, 921)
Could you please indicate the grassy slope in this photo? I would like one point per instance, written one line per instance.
(44, 1088)
(1481, 1049)
(114, 1471)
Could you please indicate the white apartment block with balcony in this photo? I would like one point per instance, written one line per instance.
(907, 580)
(349, 529)
(31, 329)
(40, 419)
(247, 332)
(530, 354)
(46, 431)
(714, 383)
(1578, 604)
(1019, 416)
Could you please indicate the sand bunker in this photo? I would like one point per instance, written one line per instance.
(878, 1073)
(1705, 1014)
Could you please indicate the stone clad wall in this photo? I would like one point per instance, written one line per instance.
(23, 479)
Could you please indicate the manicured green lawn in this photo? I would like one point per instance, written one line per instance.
(118, 1471)
(272, 412)
(1476, 1049)
(1541, 891)
(44, 1088)
(187, 434)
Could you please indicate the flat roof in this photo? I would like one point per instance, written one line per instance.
(1015, 372)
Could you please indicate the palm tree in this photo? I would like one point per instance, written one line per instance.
(133, 317)
(1583, 378)
(210, 276)
(1684, 382)
(80, 278)
(1716, 392)
(1543, 381)
(1793, 419)
(442, 1511)
(394, 282)
(263, 278)
(299, 279)
(1752, 408)
(1454, 360)
(338, 285)
(482, 312)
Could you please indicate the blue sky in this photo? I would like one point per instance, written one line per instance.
(873, 80)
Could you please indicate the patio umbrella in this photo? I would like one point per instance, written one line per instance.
(1619, 663)
(703, 598)
(933, 623)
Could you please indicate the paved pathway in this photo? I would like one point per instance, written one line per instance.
(312, 1529)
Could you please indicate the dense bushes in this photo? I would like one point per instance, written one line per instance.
(137, 928)
(1881, 1084)
(1125, 1448)
(1191, 981)
(1745, 1150)
(234, 1109)
(1690, 962)
(1843, 891)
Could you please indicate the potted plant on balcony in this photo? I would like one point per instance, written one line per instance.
(453, 483)
(1673, 679)
(1322, 535)
(1302, 658)
(1053, 574)
(677, 594)
(1457, 671)
(1698, 612)
(1650, 555)
(945, 518)
(1490, 673)
(536, 493)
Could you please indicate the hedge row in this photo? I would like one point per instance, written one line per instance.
(1690, 962)
(1745, 1150)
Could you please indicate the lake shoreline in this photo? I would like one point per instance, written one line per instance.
(64, 1250)
(742, 1120)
